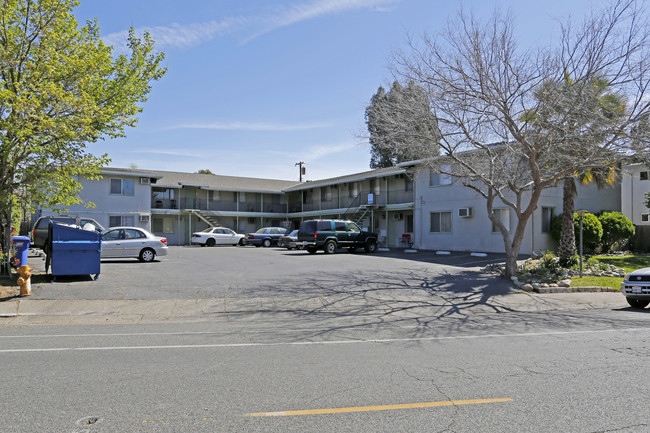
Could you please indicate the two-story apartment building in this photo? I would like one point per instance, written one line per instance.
(404, 204)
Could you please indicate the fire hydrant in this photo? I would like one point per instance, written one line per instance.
(24, 281)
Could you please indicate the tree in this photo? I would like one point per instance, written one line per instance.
(61, 88)
(401, 125)
(495, 105)
(204, 171)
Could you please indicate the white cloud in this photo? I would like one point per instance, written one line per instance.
(252, 126)
(186, 36)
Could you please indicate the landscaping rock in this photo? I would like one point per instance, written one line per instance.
(564, 283)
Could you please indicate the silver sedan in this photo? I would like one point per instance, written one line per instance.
(120, 242)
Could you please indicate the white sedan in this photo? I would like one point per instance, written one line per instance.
(217, 236)
(119, 242)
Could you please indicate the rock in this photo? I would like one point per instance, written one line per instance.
(536, 286)
(544, 286)
(527, 287)
(553, 285)
(564, 283)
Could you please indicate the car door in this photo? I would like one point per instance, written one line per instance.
(134, 241)
(229, 237)
(219, 236)
(112, 243)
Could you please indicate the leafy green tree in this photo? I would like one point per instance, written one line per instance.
(617, 228)
(204, 171)
(61, 88)
(401, 125)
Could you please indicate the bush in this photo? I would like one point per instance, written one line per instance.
(617, 228)
(548, 260)
(592, 231)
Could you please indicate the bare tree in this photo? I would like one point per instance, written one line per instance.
(503, 112)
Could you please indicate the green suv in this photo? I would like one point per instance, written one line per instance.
(328, 235)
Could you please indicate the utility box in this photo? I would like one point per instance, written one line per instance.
(21, 244)
(73, 251)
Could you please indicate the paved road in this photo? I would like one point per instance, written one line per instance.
(543, 372)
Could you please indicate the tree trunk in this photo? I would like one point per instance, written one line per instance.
(5, 244)
(567, 247)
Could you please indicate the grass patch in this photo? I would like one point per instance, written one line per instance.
(629, 262)
(589, 281)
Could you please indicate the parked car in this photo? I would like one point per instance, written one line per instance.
(290, 241)
(636, 288)
(217, 236)
(39, 232)
(118, 242)
(266, 236)
(328, 235)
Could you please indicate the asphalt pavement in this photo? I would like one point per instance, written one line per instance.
(199, 284)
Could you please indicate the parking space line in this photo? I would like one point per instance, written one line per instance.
(377, 408)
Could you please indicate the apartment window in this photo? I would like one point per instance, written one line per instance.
(122, 186)
(502, 215)
(437, 179)
(120, 220)
(162, 225)
(408, 185)
(441, 222)
(547, 216)
(353, 190)
(645, 217)
(644, 175)
(215, 196)
(326, 193)
(163, 193)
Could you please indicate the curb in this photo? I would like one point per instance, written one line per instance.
(586, 289)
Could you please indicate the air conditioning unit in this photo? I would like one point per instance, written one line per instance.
(465, 212)
(144, 218)
(398, 216)
(145, 181)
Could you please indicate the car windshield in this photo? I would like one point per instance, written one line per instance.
(208, 230)
(294, 233)
(262, 230)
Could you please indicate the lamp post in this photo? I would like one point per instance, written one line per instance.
(581, 213)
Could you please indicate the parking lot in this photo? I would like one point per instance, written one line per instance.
(199, 273)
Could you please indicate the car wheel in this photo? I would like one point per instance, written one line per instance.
(241, 242)
(370, 247)
(330, 247)
(147, 255)
(210, 242)
(637, 303)
(266, 243)
(311, 250)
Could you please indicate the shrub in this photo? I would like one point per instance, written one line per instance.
(548, 260)
(617, 228)
(592, 231)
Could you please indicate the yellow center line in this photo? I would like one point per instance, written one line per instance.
(386, 407)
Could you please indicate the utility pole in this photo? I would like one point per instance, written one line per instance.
(301, 171)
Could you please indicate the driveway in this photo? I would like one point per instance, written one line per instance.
(219, 272)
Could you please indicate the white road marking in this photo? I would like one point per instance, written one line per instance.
(319, 343)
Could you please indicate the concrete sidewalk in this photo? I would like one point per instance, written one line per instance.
(24, 311)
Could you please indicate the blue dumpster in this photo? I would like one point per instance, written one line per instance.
(74, 251)
(21, 243)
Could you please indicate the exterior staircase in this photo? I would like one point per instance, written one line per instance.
(210, 219)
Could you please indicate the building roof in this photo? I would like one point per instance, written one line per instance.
(175, 179)
(379, 172)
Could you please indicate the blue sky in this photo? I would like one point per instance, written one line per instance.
(255, 86)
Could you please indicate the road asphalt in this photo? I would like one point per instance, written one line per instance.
(23, 311)
(340, 301)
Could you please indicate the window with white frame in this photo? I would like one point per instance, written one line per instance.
(645, 217)
(547, 216)
(437, 179)
(644, 175)
(503, 215)
(441, 222)
(120, 220)
(122, 186)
